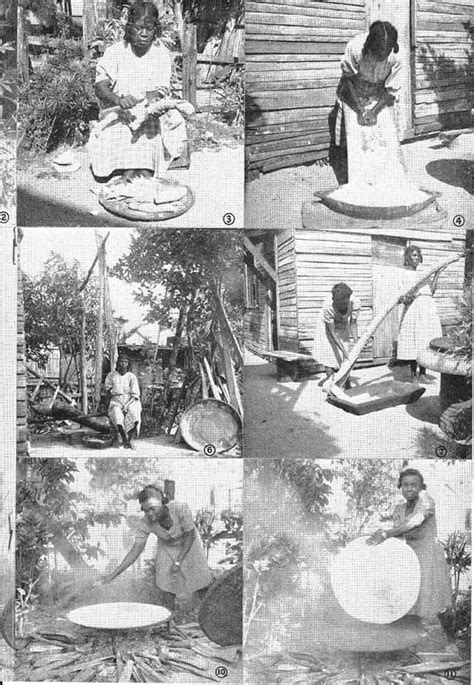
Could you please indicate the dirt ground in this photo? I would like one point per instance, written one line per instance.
(46, 198)
(275, 200)
(288, 419)
(57, 446)
(36, 660)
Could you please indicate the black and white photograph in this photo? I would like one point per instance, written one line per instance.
(8, 451)
(129, 570)
(130, 340)
(8, 112)
(357, 571)
(131, 113)
(358, 345)
(236, 248)
(359, 110)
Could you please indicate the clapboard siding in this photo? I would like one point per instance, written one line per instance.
(288, 338)
(293, 52)
(21, 390)
(311, 262)
(322, 260)
(443, 65)
(255, 321)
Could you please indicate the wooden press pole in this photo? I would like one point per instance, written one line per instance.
(333, 386)
(99, 337)
(84, 402)
(189, 61)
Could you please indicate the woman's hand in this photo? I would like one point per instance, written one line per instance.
(377, 538)
(128, 101)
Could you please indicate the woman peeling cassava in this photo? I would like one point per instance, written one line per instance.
(134, 76)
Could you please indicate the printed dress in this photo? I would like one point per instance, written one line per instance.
(158, 140)
(419, 321)
(194, 573)
(124, 389)
(325, 351)
(435, 585)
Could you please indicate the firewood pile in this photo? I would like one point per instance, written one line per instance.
(164, 654)
(295, 668)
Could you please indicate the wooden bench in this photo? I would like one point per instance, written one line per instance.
(293, 364)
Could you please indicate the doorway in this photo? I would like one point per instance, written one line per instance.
(387, 259)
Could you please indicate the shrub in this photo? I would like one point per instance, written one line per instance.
(59, 100)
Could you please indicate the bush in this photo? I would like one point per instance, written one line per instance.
(59, 101)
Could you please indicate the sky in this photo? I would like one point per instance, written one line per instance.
(38, 244)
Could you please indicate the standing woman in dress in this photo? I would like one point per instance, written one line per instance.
(419, 322)
(181, 568)
(415, 522)
(336, 330)
(365, 98)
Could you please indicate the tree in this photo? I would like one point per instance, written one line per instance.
(287, 519)
(49, 511)
(370, 486)
(53, 310)
(182, 270)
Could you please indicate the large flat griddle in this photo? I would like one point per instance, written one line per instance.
(119, 615)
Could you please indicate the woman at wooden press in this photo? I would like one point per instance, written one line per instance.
(415, 522)
(336, 330)
(365, 98)
(180, 564)
(419, 322)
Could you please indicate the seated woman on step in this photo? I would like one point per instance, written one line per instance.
(124, 407)
(140, 132)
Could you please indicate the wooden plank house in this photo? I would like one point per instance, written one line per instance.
(293, 51)
(289, 274)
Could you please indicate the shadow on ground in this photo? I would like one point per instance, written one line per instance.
(455, 172)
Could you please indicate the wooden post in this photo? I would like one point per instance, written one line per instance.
(189, 62)
(23, 67)
(99, 338)
(84, 402)
(90, 18)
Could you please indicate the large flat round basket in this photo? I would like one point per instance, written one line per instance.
(119, 615)
(211, 423)
(162, 212)
(220, 614)
(376, 583)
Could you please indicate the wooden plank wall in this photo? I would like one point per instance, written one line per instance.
(327, 258)
(443, 65)
(255, 321)
(21, 385)
(293, 51)
(287, 288)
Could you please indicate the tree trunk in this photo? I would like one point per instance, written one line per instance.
(90, 18)
(99, 340)
(63, 411)
(22, 50)
(189, 62)
(84, 390)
